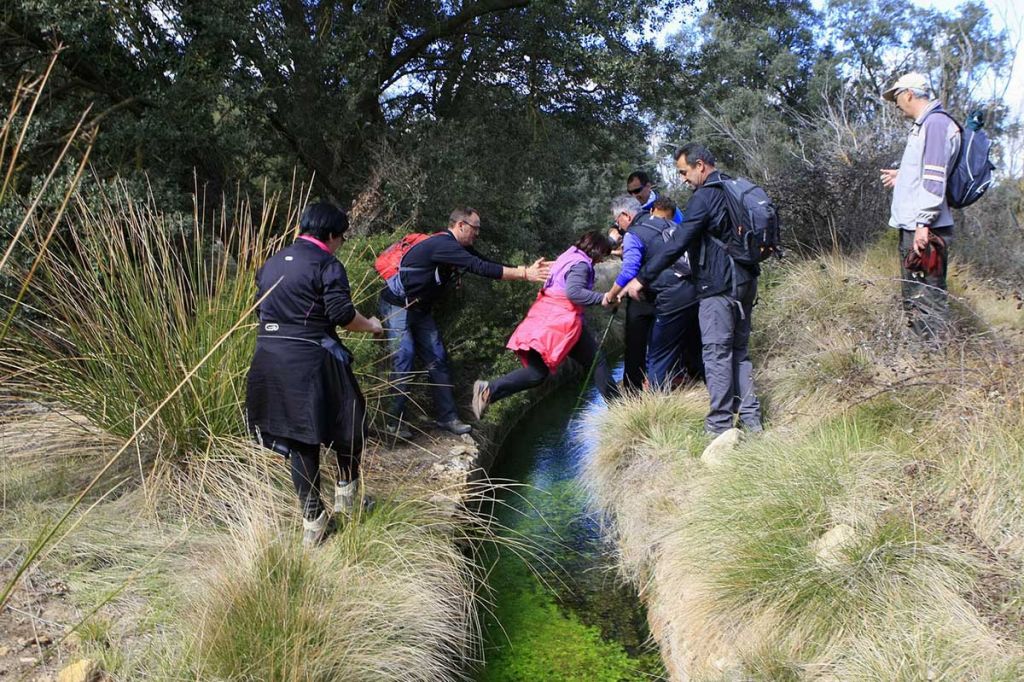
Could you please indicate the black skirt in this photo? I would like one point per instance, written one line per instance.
(306, 391)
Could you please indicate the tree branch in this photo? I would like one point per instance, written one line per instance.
(443, 29)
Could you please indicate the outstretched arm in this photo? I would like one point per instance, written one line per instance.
(538, 271)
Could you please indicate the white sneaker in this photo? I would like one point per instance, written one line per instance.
(313, 532)
(345, 497)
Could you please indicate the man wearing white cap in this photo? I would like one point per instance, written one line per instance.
(919, 208)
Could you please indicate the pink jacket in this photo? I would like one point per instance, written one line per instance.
(554, 323)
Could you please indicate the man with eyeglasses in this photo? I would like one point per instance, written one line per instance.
(919, 208)
(406, 312)
(639, 186)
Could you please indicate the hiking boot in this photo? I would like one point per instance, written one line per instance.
(314, 531)
(454, 426)
(398, 430)
(346, 496)
(481, 398)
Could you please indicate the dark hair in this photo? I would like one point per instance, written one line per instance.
(663, 204)
(639, 175)
(462, 213)
(323, 221)
(595, 244)
(692, 152)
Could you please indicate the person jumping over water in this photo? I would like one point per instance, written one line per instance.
(554, 328)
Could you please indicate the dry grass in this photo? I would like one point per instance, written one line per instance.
(913, 458)
(203, 572)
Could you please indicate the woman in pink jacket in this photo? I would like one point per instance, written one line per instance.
(554, 328)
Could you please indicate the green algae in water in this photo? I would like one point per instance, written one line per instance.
(539, 640)
(565, 615)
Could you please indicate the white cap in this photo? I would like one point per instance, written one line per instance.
(909, 81)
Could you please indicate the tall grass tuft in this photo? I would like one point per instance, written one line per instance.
(390, 596)
(128, 303)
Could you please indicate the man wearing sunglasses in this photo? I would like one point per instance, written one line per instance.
(406, 306)
(639, 186)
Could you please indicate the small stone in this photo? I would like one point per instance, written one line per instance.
(717, 450)
(85, 670)
(458, 450)
(828, 548)
(4, 650)
(27, 660)
(460, 464)
(466, 438)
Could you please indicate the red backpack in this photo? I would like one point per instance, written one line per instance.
(388, 261)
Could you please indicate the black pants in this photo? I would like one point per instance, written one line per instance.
(305, 465)
(586, 352)
(925, 298)
(639, 320)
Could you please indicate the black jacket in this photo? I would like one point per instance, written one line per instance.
(705, 216)
(300, 383)
(312, 290)
(430, 265)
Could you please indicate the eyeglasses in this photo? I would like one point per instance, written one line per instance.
(475, 227)
(635, 190)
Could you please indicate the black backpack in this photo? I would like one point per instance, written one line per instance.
(971, 174)
(754, 231)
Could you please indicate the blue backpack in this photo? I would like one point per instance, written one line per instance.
(971, 173)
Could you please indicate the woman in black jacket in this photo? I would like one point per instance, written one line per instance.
(301, 391)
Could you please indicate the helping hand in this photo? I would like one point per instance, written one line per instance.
(538, 271)
(377, 329)
(632, 290)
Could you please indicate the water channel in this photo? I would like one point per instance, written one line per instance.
(564, 616)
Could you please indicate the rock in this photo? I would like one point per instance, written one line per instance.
(459, 450)
(85, 670)
(466, 438)
(461, 464)
(4, 651)
(717, 450)
(828, 548)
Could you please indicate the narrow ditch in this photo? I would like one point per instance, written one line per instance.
(562, 613)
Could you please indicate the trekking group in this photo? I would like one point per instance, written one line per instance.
(688, 281)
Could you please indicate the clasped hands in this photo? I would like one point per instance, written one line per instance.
(614, 298)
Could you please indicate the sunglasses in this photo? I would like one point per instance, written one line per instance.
(635, 190)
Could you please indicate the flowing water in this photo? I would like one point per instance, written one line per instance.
(564, 615)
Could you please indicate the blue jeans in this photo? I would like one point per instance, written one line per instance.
(413, 334)
(675, 347)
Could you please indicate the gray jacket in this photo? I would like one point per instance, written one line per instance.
(919, 196)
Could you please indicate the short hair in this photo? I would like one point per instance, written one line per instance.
(919, 94)
(692, 152)
(626, 203)
(639, 175)
(323, 221)
(663, 204)
(461, 214)
(595, 244)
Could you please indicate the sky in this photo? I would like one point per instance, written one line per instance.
(1005, 15)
